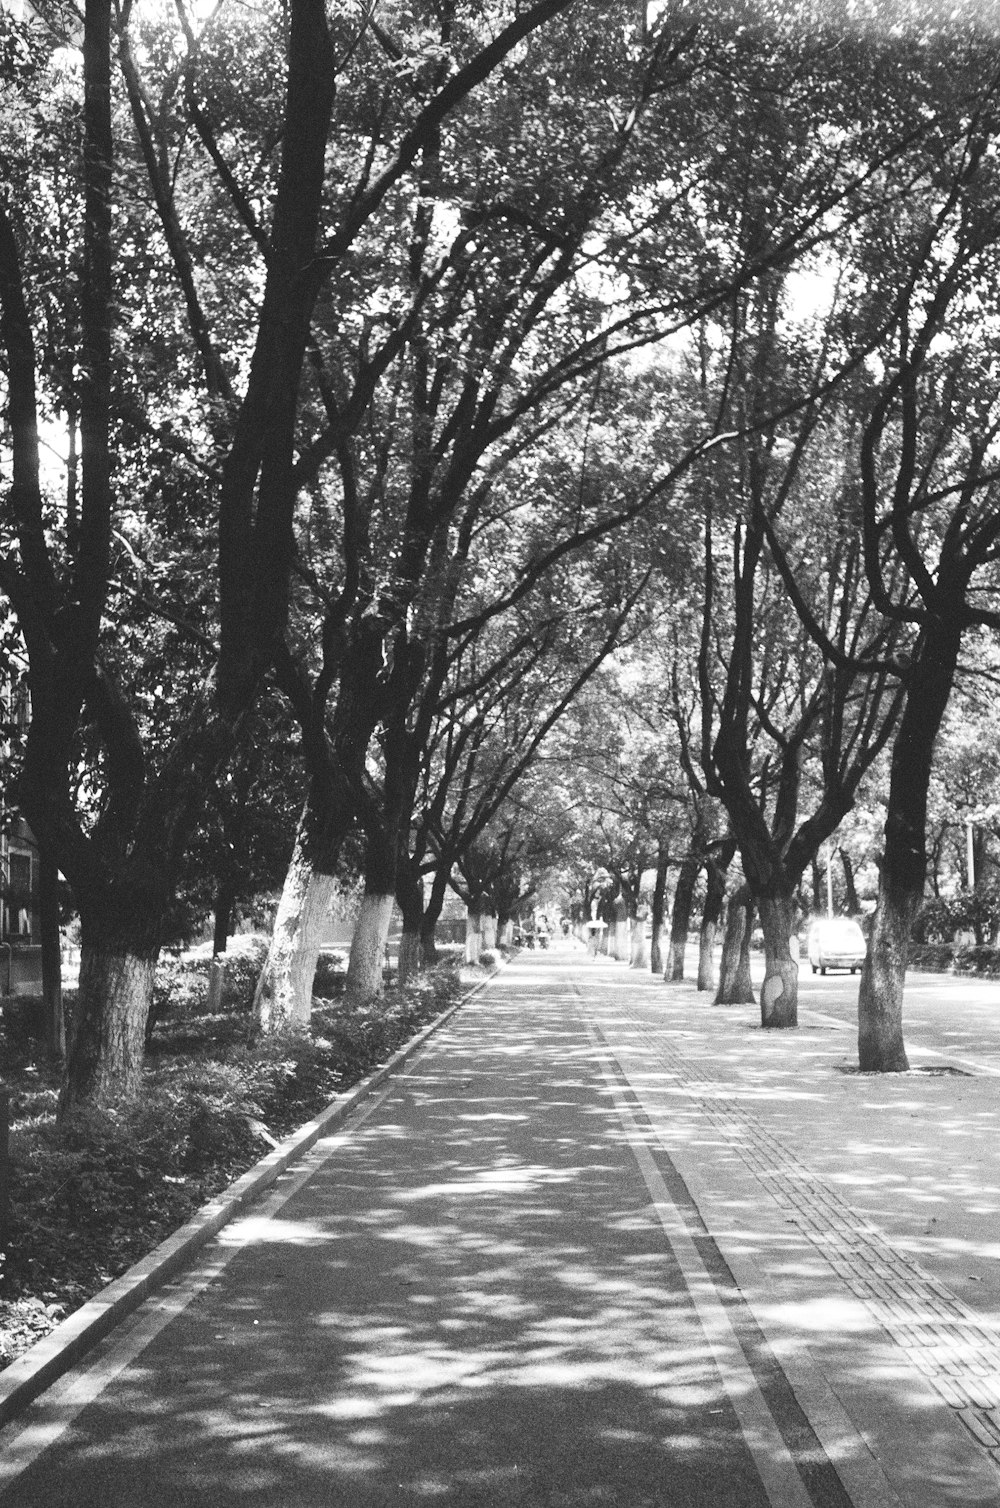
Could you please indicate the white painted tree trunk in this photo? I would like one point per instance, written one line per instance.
(623, 939)
(489, 931)
(283, 997)
(640, 947)
(473, 936)
(371, 931)
(216, 979)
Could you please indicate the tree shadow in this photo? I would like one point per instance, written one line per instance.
(470, 1304)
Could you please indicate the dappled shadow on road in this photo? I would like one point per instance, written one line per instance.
(471, 1304)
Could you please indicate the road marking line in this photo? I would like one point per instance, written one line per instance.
(777, 1470)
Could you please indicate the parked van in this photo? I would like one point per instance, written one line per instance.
(836, 942)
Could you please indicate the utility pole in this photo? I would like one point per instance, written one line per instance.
(829, 880)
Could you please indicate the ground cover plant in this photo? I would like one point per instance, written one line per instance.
(93, 1195)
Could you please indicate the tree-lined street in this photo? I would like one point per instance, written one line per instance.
(528, 467)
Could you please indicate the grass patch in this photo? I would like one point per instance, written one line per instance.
(95, 1194)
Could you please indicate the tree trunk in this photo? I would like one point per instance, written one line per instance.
(473, 936)
(621, 945)
(222, 925)
(680, 916)
(411, 956)
(114, 998)
(657, 912)
(216, 981)
(851, 903)
(48, 908)
(735, 987)
(428, 942)
(880, 1023)
(489, 931)
(904, 862)
(364, 970)
(410, 899)
(779, 994)
(715, 896)
(432, 914)
(283, 997)
(640, 951)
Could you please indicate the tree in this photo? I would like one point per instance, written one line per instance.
(499, 345)
(926, 503)
(939, 527)
(245, 444)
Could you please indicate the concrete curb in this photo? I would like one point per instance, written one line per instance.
(64, 1346)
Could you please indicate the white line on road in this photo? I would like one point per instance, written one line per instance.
(778, 1472)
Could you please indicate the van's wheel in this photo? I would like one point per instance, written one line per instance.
(823, 970)
(814, 968)
(854, 971)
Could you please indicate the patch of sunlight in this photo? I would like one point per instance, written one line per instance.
(489, 1474)
(492, 1181)
(219, 1424)
(579, 1375)
(349, 1408)
(491, 1115)
(585, 1277)
(507, 1306)
(330, 1455)
(830, 1314)
(425, 1373)
(368, 1437)
(261, 1228)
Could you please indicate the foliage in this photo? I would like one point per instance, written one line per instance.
(936, 958)
(978, 912)
(180, 990)
(946, 958)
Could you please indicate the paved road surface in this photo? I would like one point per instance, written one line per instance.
(600, 1245)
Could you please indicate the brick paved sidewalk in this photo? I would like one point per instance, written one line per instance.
(823, 1219)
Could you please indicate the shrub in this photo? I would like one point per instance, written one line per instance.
(90, 1196)
(936, 958)
(331, 970)
(978, 959)
(243, 964)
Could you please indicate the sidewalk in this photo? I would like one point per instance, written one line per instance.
(857, 1215)
(600, 1244)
